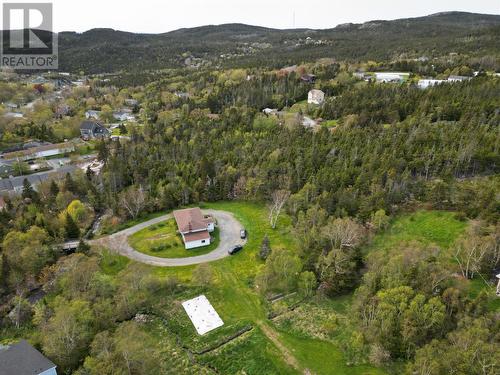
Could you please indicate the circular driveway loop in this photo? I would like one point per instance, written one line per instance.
(229, 232)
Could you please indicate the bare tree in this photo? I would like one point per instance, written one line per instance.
(470, 252)
(343, 233)
(133, 200)
(279, 198)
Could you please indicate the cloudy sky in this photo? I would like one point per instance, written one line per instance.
(155, 16)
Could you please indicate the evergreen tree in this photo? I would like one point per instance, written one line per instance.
(4, 271)
(54, 189)
(28, 191)
(69, 184)
(72, 230)
(102, 152)
(265, 248)
(90, 173)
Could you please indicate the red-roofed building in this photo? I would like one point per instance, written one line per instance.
(194, 227)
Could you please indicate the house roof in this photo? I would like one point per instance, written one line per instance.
(316, 92)
(13, 183)
(190, 220)
(34, 150)
(92, 126)
(197, 236)
(23, 359)
(88, 125)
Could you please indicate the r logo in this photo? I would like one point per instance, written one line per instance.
(27, 38)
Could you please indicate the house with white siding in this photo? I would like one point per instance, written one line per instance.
(23, 359)
(194, 227)
(316, 97)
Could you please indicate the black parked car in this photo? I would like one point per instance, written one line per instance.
(235, 249)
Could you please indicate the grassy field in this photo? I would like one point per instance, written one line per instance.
(440, 228)
(330, 123)
(233, 296)
(162, 240)
(111, 263)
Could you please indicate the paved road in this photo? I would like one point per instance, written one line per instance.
(229, 232)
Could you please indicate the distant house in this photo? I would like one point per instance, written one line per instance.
(13, 115)
(458, 78)
(131, 102)
(62, 110)
(93, 130)
(270, 111)
(39, 80)
(123, 115)
(308, 78)
(91, 114)
(182, 95)
(14, 185)
(23, 359)
(11, 105)
(362, 75)
(391, 77)
(316, 97)
(425, 83)
(194, 227)
(40, 151)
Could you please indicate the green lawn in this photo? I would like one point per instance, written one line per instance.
(330, 123)
(427, 227)
(162, 240)
(477, 285)
(111, 263)
(252, 352)
(234, 298)
(322, 357)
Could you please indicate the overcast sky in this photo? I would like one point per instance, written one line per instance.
(155, 16)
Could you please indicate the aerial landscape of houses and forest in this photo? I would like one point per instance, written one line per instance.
(239, 199)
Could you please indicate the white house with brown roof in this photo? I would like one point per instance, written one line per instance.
(194, 227)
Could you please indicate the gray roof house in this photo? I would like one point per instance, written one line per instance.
(14, 185)
(124, 115)
(131, 102)
(93, 130)
(23, 359)
(92, 114)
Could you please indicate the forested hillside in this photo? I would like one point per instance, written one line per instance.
(107, 51)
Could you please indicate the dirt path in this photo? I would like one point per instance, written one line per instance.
(287, 355)
(229, 229)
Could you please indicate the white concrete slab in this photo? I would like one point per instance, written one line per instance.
(202, 314)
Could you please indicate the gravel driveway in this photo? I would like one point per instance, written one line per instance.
(229, 232)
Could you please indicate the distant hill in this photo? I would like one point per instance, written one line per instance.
(107, 50)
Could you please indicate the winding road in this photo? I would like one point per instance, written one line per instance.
(229, 231)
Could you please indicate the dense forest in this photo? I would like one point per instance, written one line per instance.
(374, 236)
